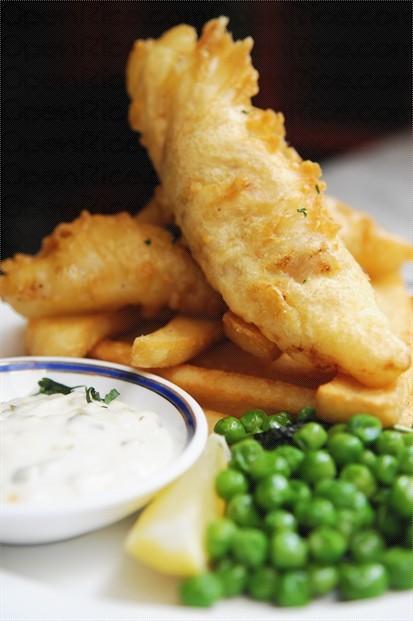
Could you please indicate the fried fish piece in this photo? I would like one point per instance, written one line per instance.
(251, 211)
(379, 252)
(341, 397)
(102, 263)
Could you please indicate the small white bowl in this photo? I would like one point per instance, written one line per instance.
(181, 415)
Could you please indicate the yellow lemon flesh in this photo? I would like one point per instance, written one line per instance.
(169, 534)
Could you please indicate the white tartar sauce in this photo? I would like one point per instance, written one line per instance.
(59, 448)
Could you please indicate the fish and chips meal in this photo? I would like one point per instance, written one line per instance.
(245, 284)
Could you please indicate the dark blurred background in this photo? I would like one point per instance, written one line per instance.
(340, 72)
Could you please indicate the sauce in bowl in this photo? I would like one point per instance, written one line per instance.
(62, 447)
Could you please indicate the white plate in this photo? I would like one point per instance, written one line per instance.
(90, 577)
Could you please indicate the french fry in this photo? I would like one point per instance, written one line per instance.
(394, 301)
(226, 356)
(76, 335)
(248, 337)
(337, 400)
(299, 372)
(180, 340)
(340, 398)
(112, 351)
(234, 393)
(378, 252)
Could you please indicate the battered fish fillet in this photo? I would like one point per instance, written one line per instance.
(377, 251)
(99, 263)
(251, 211)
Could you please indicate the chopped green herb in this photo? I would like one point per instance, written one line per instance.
(244, 111)
(317, 189)
(50, 387)
(148, 242)
(92, 395)
(111, 396)
(304, 281)
(303, 210)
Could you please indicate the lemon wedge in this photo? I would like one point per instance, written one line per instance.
(169, 534)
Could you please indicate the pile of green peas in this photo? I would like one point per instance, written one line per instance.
(332, 510)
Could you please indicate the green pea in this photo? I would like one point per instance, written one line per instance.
(219, 537)
(386, 468)
(281, 419)
(367, 546)
(406, 461)
(341, 493)
(245, 453)
(408, 540)
(231, 428)
(278, 519)
(323, 579)
(230, 482)
(389, 524)
(269, 463)
(390, 443)
(347, 522)
(250, 547)
(263, 584)
(408, 438)
(272, 492)
(241, 509)
(233, 577)
(361, 477)
(288, 550)
(255, 421)
(294, 589)
(327, 545)
(310, 436)
(399, 565)
(317, 465)
(362, 581)
(338, 428)
(202, 590)
(368, 458)
(365, 426)
(363, 510)
(345, 448)
(298, 491)
(305, 415)
(401, 496)
(382, 496)
(315, 512)
(291, 454)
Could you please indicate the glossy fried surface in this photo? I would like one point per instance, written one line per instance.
(252, 212)
(100, 263)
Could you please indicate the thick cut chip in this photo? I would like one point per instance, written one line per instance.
(235, 393)
(252, 212)
(76, 335)
(179, 341)
(379, 252)
(112, 351)
(249, 338)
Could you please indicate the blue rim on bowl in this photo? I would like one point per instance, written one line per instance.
(191, 412)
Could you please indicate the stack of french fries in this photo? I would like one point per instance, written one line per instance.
(223, 362)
